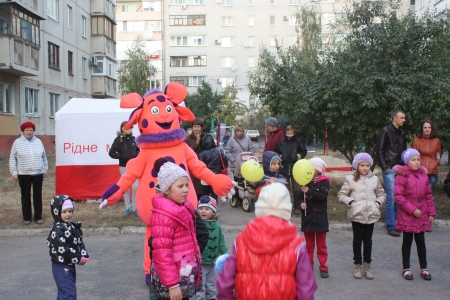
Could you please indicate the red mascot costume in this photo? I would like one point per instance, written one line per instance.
(158, 117)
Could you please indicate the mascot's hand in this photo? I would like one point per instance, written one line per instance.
(230, 193)
(103, 204)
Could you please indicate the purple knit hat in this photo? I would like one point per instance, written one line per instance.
(408, 154)
(361, 157)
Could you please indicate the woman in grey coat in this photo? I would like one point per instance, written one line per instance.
(236, 145)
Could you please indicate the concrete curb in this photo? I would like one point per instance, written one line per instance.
(115, 231)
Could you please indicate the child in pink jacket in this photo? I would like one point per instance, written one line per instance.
(175, 269)
(416, 210)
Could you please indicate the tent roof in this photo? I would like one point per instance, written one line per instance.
(95, 106)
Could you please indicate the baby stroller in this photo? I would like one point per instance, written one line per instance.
(245, 190)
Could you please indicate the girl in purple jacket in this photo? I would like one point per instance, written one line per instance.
(175, 271)
(416, 210)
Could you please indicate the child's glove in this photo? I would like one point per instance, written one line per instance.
(220, 262)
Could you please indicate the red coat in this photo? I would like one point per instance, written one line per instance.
(266, 260)
(412, 191)
(273, 139)
(428, 148)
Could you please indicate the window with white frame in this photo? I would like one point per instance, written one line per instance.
(226, 81)
(251, 21)
(54, 104)
(197, 40)
(148, 5)
(272, 40)
(128, 8)
(295, 2)
(292, 20)
(227, 21)
(155, 84)
(69, 17)
(196, 2)
(251, 62)
(251, 41)
(83, 67)
(197, 60)
(178, 62)
(227, 2)
(227, 41)
(177, 2)
(227, 62)
(53, 9)
(31, 101)
(178, 41)
(251, 2)
(6, 105)
(104, 67)
(148, 26)
(272, 2)
(83, 28)
(196, 80)
(272, 21)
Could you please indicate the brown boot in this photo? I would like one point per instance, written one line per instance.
(357, 274)
(367, 271)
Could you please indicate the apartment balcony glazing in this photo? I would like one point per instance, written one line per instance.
(19, 41)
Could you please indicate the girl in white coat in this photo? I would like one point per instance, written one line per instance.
(363, 194)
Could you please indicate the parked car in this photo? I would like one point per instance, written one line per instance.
(253, 134)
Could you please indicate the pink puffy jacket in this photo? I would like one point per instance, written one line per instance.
(412, 191)
(175, 247)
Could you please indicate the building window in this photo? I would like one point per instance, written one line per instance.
(227, 81)
(196, 80)
(197, 60)
(83, 67)
(227, 42)
(251, 41)
(83, 28)
(70, 62)
(5, 98)
(178, 41)
(251, 2)
(53, 56)
(227, 62)
(196, 2)
(292, 20)
(54, 104)
(31, 101)
(184, 80)
(23, 25)
(251, 62)
(272, 2)
(53, 9)
(272, 21)
(155, 84)
(180, 62)
(128, 8)
(197, 41)
(152, 25)
(103, 26)
(251, 21)
(189, 20)
(104, 67)
(227, 21)
(272, 41)
(69, 17)
(295, 2)
(227, 2)
(125, 26)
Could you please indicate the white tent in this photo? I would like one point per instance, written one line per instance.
(85, 130)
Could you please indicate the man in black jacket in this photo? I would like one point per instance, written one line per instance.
(391, 142)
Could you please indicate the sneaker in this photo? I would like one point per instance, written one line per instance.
(324, 274)
(41, 221)
(358, 272)
(134, 212)
(297, 211)
(27, 222)
(393, 232)
(126, 213)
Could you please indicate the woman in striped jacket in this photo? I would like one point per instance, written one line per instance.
(28, 165)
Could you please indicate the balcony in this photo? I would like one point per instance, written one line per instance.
(104, 87)
(188, 61)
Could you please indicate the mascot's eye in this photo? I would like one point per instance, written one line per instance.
(169, 109)
(155, 110)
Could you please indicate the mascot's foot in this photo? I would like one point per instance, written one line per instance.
(147, 279)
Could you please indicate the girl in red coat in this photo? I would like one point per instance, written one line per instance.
(416, 211)
(269, 259)
(175, 269)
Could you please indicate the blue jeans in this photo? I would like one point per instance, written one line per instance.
(433, 178)
(391, 206)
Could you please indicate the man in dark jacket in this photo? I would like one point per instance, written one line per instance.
(391, 142)
(275, 134)
(291, 149)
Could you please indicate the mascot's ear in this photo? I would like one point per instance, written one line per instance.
(185, 113)
(134, 118)
(176, 92)
(131, 100)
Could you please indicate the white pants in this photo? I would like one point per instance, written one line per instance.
(131, 205)
(208, 290)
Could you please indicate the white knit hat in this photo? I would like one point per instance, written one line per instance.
(274, 200)
(168, 173)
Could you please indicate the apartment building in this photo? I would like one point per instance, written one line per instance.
(52, 51)
(439, 8)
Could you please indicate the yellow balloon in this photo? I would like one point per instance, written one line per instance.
(252, 171)
(303, 171)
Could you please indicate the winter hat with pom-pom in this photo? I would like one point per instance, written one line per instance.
(168, 173)
(274, 200)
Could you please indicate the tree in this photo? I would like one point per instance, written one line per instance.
(229, 108)
(134, 71)
(203, 103)
(255, 117)
(386, 62)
